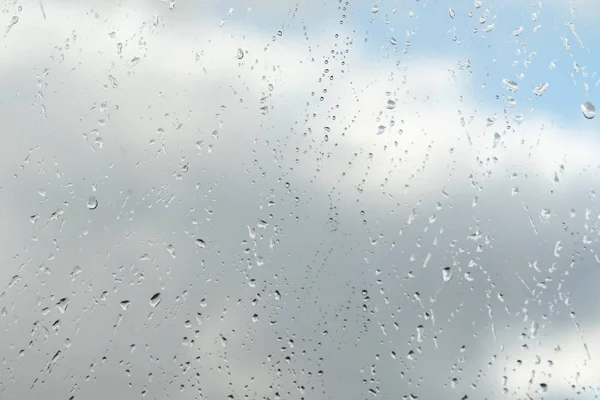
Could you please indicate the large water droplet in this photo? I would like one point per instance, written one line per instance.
(588, 110)
(155, 299)
(92, 203)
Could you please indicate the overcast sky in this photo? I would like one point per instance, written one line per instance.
(299, 200)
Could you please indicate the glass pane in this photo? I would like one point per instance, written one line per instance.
(299, 200)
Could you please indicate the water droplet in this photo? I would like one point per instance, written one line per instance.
(155, 299)
(533, 329)
(512, 86)
(62, 305)
(446, 274)
(393, 41)
(420, 333)
(375, 9)
(171, 250)
(14, 280)
(12, 23)
(541, 89)
(92, 203)
(588, 110)
(497, 139)
(125, 304)
(201, 243)
(391, 104)
(451, 13)
(489, 28)
(113, 81)
(76, 271)
(240, 54)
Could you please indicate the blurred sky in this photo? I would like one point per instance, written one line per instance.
(330, 201)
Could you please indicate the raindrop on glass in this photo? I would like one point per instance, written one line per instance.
(588, 110)
(446, 274)
(155, 299)
(541, 89)
(92, 203)
(512, 86)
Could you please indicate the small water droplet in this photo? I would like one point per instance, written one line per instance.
(497, 139)
(12, 23)
(92, 203)
(541, 89)
(391, 104)
(155, 299)
(171, 250)
(533, 329)
(375, 9)
(446, 274)
(420, 333)
(393, 41)
(62, 305)
(451, 13)
(240, 54)
(14, 280)
(588, 110)
(125, 304)
(512, 86)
